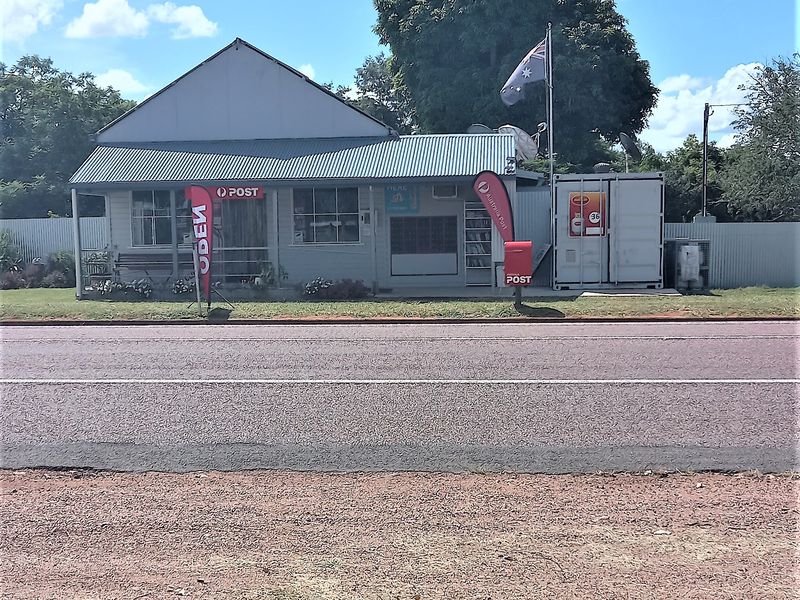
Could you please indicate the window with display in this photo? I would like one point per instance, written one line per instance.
(326, 216)
(424, 235)
(151, 218)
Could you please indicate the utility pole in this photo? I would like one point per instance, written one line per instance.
(707, 112)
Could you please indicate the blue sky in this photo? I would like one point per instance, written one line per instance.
(699, 50)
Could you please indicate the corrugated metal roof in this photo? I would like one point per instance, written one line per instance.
(446, 155)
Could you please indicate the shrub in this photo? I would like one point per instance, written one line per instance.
(33, 273)
(345, 289)
(13, 280)
(183, 286)
(10, 257)
(141, 287)
(63, 262)
(55, 280)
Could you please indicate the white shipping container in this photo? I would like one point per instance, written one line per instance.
(608, 230)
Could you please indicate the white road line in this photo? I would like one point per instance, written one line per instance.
(407, 381)
(543, 338)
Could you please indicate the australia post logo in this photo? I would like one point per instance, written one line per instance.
(238, 192)
(493, 194)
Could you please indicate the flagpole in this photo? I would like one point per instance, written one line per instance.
(550, 138)
(550, 98)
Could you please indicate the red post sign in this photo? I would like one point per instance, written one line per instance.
(492, 192)
(237, 192)
(202, 230)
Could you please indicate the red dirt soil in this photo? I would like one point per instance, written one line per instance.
(298, 536)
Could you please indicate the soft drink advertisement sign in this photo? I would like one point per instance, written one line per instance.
(587, 214)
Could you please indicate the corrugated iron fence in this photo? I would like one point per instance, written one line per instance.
(742, 254)
(42, 237)
(745, 254)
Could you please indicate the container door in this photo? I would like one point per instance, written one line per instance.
(581, 233)
(636, 232)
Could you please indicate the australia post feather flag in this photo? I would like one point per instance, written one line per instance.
(532, 68)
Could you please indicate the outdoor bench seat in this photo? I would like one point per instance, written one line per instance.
(151, 263)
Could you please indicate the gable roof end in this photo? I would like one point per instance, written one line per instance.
(234, 44)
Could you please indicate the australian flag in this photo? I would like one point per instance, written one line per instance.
(532, 68)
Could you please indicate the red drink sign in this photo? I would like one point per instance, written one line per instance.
(587, 214)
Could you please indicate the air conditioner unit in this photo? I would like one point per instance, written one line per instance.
(442, 191)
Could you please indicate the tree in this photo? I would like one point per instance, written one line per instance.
(384, 96)
(453, 56)
(47, 117)
(762, 178)
(683, 181)
(380, 94)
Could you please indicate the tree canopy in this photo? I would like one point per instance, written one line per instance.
(683, 181)
(47, 117)
(762, 178)
(453, 56)
(380, 94)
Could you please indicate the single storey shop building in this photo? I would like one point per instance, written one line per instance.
(306, 185)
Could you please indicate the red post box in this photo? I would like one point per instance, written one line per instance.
(519, 263)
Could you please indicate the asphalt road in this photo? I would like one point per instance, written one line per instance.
(548, 398)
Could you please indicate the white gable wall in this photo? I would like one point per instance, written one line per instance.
(240, 95)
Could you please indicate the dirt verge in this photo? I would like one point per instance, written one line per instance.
(297, 536)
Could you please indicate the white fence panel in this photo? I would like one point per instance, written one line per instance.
(745, 254)
(42, 237)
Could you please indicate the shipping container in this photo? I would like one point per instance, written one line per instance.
(608, 231)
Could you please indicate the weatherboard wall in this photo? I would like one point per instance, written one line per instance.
(304, 262)
(428, 207)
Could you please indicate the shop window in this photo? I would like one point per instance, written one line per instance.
(326, 216)
(424, 235)
(151, 219)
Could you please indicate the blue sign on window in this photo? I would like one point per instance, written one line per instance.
(401, 199)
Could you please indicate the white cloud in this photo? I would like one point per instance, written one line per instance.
(307, 70)
(679, 111)
(108, 18)
(727, 140)
(190, 20)
(117, 18)
(20, 19)
(122, 81)
(681, 82)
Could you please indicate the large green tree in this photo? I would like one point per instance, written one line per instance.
(762, 178)
(47, 117)
(453, 56)
(380, 94)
